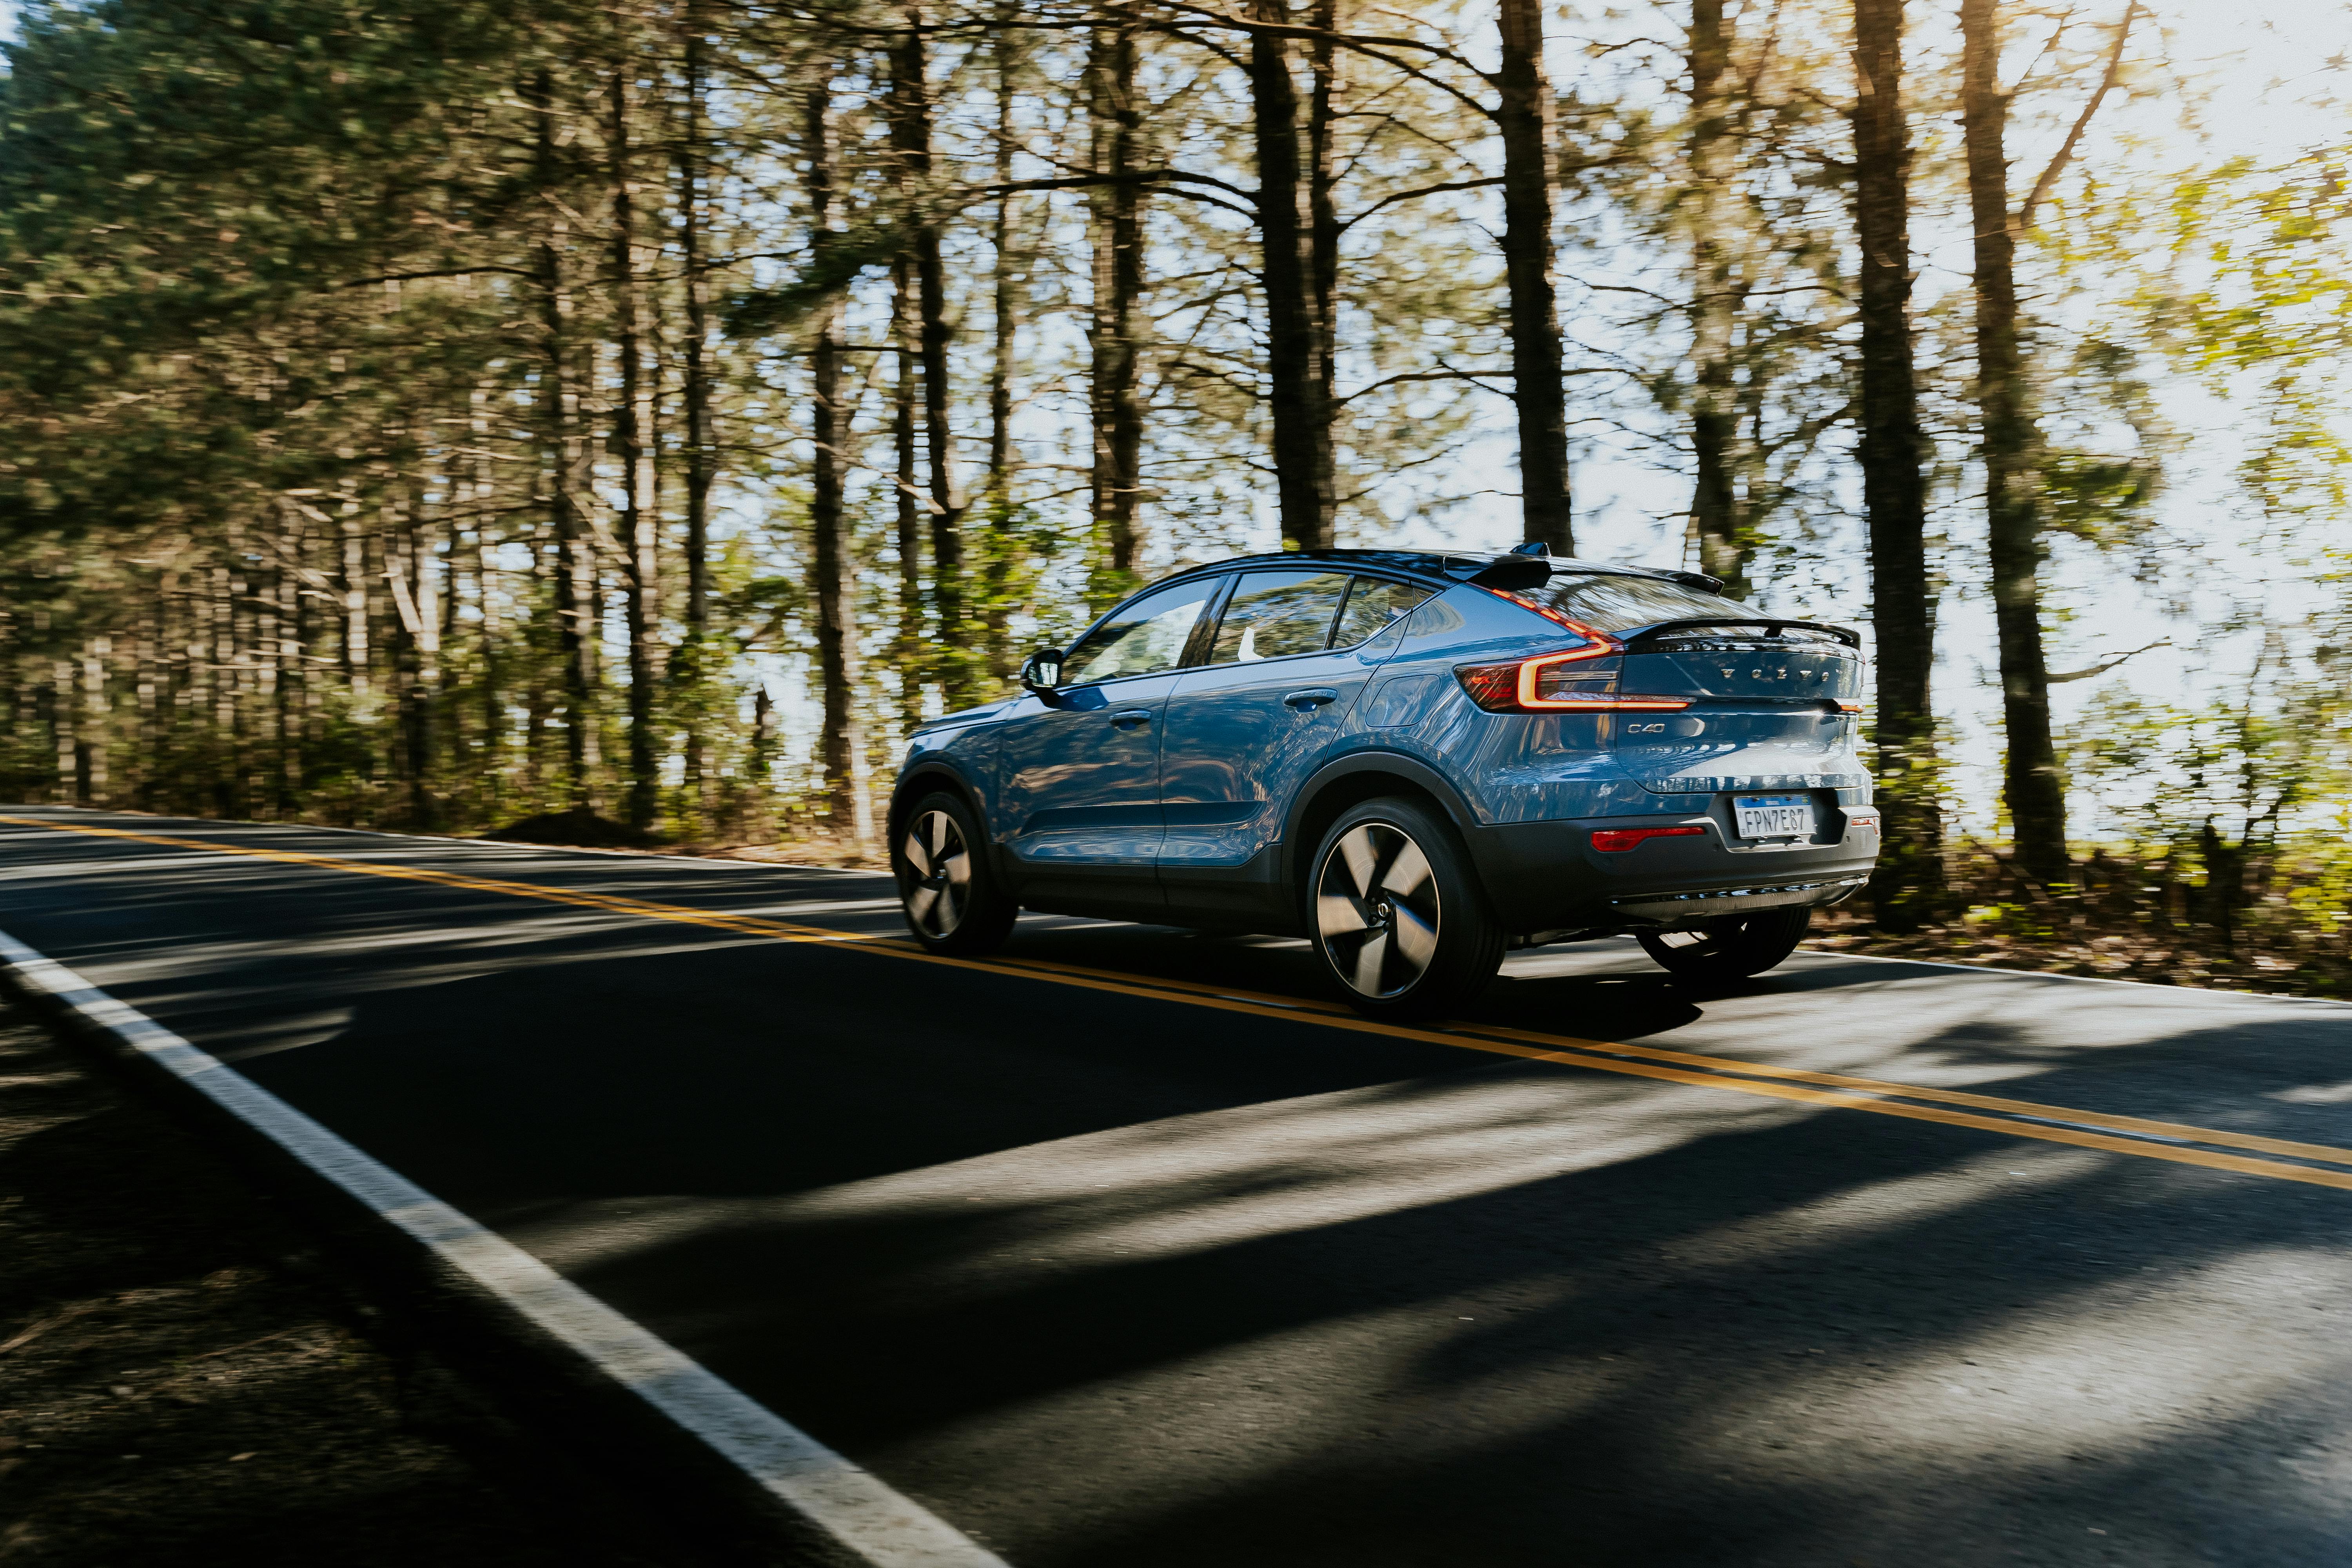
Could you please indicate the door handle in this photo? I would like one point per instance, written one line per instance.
(1314, 698)
(1127, 718)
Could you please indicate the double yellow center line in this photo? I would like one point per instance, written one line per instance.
(2174, 1141)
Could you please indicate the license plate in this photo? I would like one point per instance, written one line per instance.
(1774, 815)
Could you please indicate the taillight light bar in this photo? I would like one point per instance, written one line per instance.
(1516, 687)
(1615, 840)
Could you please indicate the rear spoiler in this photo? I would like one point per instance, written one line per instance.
(1518, 570)
(1773, 626)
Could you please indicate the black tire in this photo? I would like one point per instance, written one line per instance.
(1729, 947)
(1396, 913)
(946, 888)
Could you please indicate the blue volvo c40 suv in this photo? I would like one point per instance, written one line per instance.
(1416, 760)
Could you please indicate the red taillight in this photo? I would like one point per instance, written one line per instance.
(1494, 687)
(1524, 686)
(1611, 840)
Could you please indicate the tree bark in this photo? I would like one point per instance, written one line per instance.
(701, 458)
(633, 421)
(2032, 785)
(841, 742)
(913, 650)
(1726, 544)
(1116, 478)
(489, 629)
(1539, 374)
(1302, 425)
(1004, 547)
(558, 400)
(911, 133)
(416, 644)
(1893, 454)
(1323, 244)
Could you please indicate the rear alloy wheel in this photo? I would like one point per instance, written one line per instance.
(1729, 947)
(950, 894)
(1399, 919)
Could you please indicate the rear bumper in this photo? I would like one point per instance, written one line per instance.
(1545, 876)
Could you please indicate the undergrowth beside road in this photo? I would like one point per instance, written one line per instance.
(183, 1382)
(2282, 928)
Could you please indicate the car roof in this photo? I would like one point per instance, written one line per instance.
(1452, 566)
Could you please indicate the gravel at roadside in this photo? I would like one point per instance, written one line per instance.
(182, 1380)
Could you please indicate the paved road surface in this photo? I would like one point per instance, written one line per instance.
(1111, 1271)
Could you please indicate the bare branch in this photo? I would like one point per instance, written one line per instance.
(2082, 121)
(2105, 664)
(1410, 195)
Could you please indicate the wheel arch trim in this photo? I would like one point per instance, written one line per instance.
(1398, 764)
(930, 773)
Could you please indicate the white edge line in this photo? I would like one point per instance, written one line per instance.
(853, 1507)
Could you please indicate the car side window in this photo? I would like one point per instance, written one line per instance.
(1141, 637)
(1372, 603)
(1275, 613)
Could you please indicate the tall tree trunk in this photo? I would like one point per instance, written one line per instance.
(701, 464)
(911, 132)
(490, 628)
(2033, 786)
(1302, 426)
(841, 746)
(89, 749)
(1116, 479)
(566, 457)
(640, 519)
(1724, 544)
(292, 643)
(1539, 373)
(1004, 547)
(2030, 785)
(416, 644)
(1894, 455)
(1323, 244)
(913, 649)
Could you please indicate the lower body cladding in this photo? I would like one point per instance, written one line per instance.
(1549, 883)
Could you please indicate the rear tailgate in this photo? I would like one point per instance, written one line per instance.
(1771, 707)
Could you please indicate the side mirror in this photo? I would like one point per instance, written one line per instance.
(1042, 671)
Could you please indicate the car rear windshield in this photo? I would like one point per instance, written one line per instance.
(1613, 604)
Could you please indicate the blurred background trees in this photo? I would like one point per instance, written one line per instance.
(462, 414)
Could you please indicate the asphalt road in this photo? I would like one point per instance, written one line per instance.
(1107, 1271)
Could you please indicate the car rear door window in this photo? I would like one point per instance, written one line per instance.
(1276, 614)
(1142, 637)
(1372, 603)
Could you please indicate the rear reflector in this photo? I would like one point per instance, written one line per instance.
(1610, 840)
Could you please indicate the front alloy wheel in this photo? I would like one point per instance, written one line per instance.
(940, 862)
(1398, 914)
(949, 893)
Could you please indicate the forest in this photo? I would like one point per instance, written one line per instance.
(638, 414)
